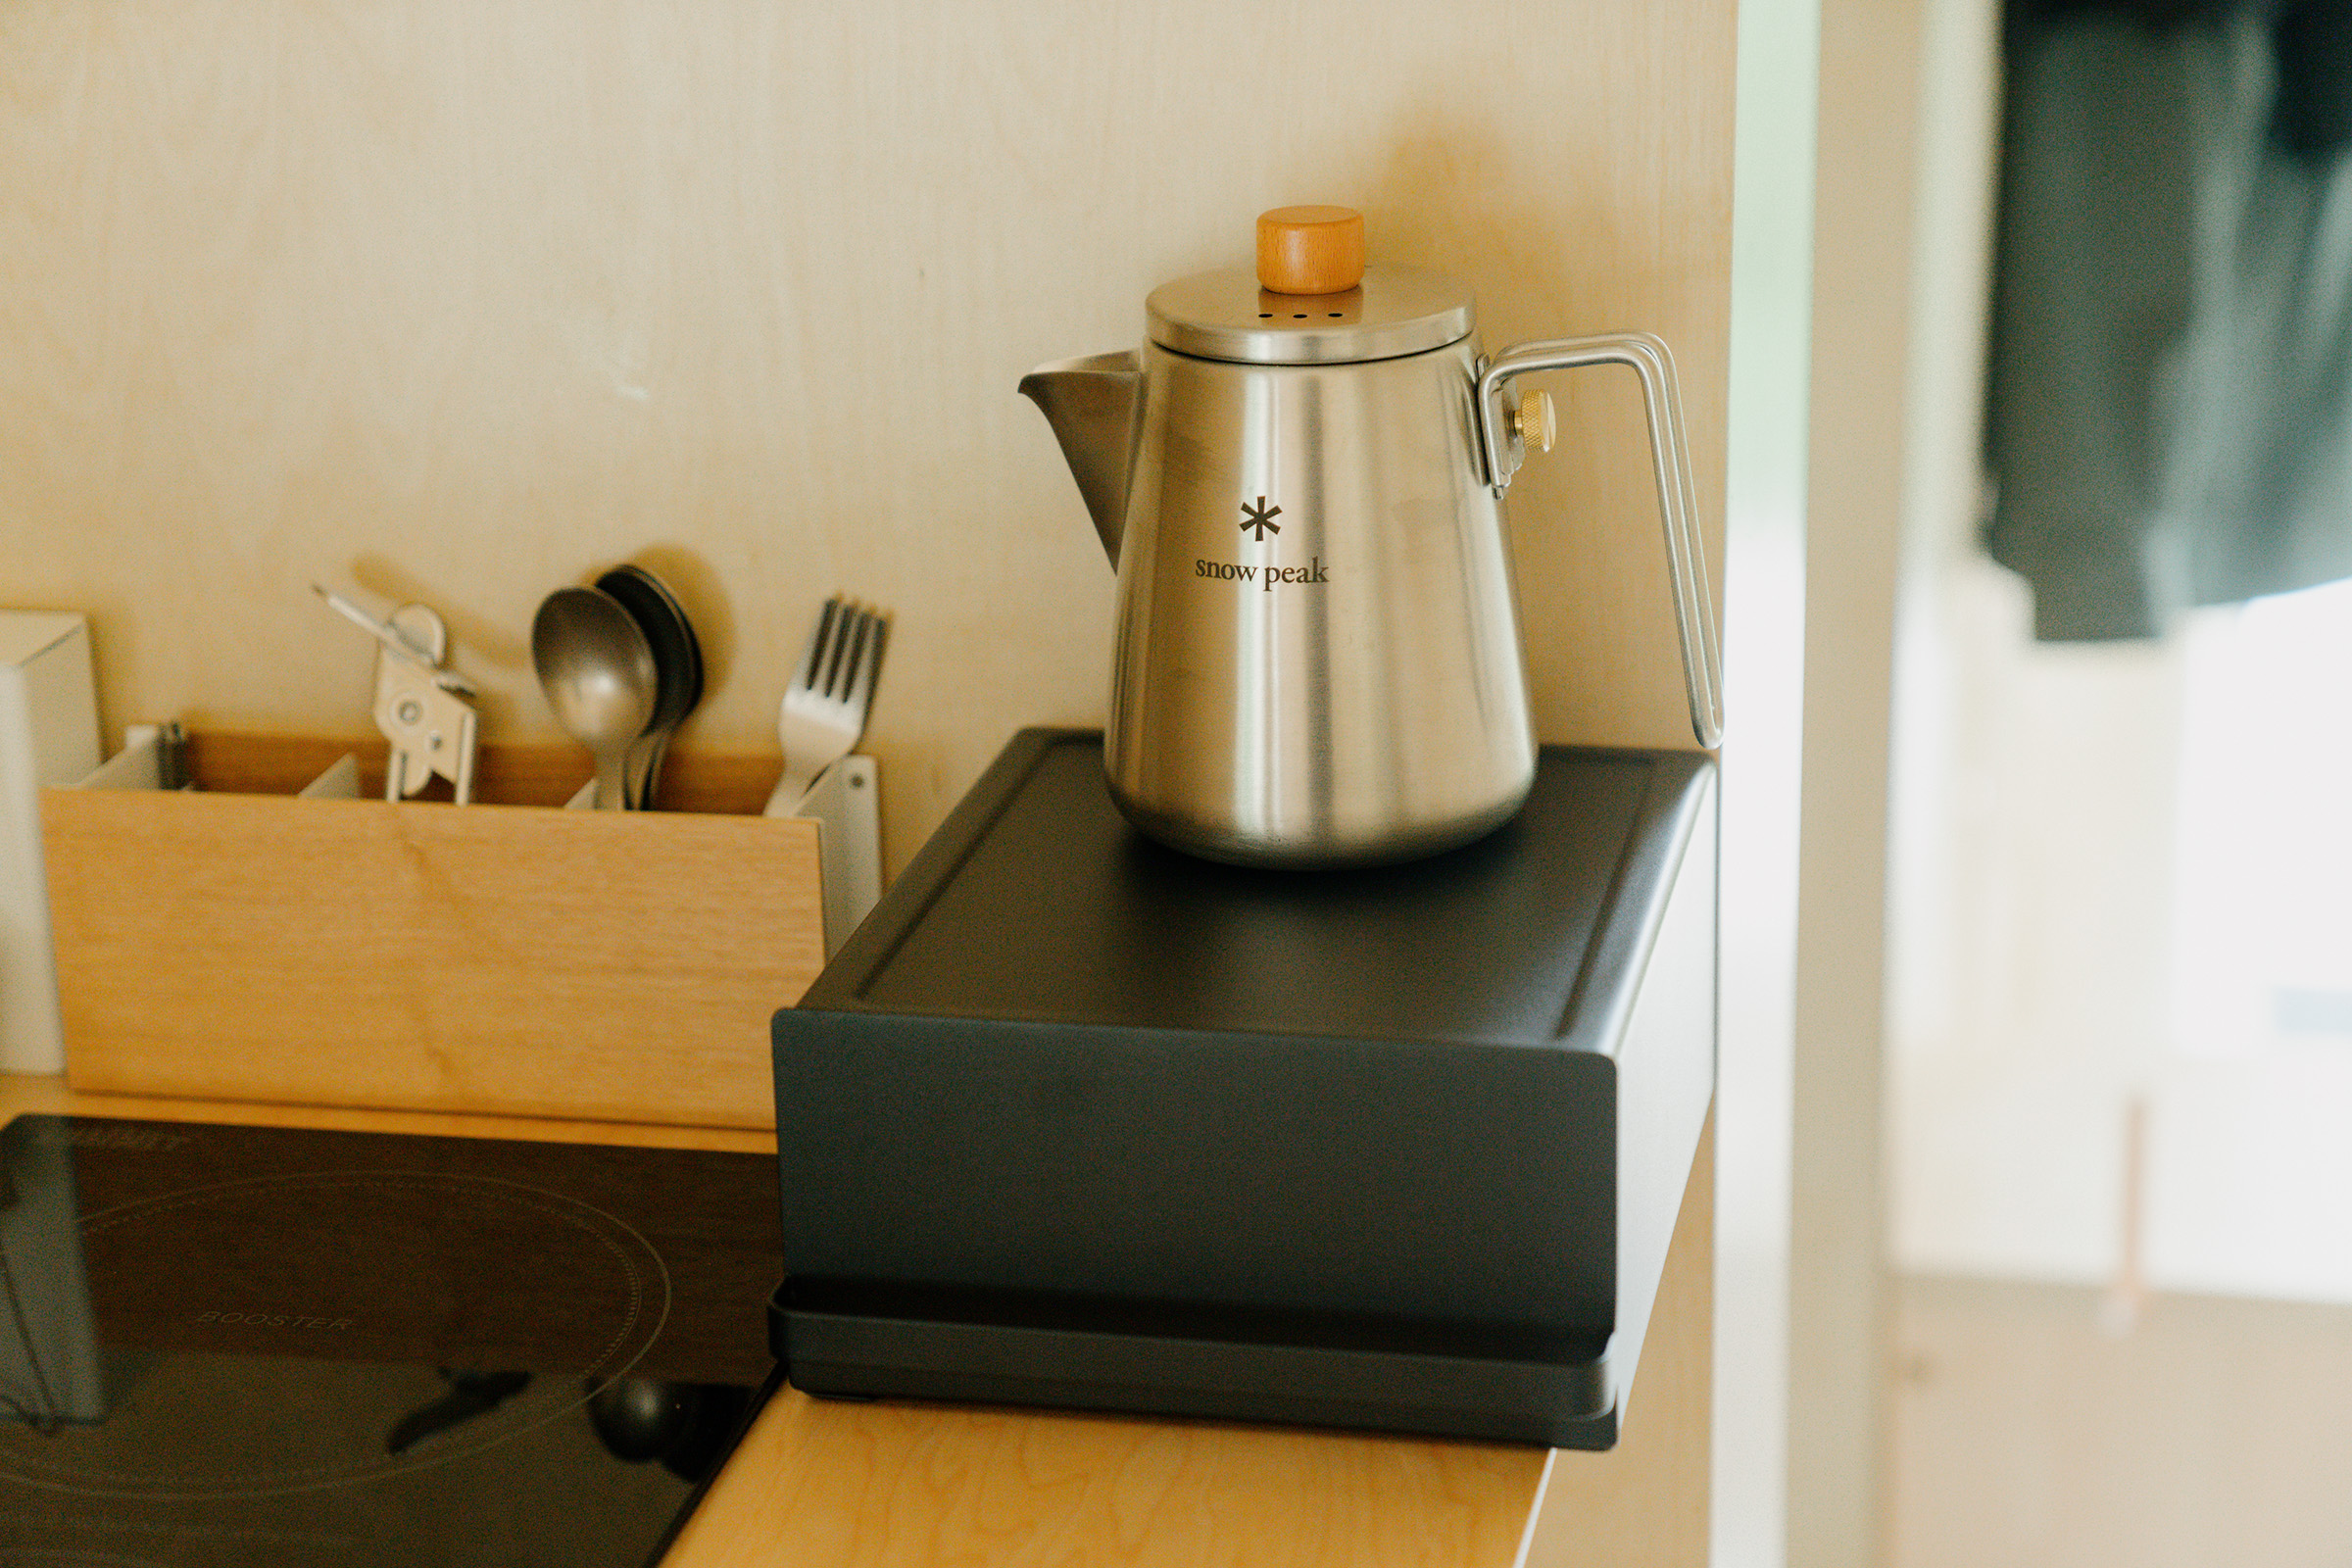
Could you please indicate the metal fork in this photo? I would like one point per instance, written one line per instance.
(823, 712)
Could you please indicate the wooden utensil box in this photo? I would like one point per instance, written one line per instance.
(236, 942)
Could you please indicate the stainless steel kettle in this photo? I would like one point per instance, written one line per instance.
(1300, 479)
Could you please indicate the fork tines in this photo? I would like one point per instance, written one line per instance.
(844, 652)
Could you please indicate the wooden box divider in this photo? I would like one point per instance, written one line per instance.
(506, 956)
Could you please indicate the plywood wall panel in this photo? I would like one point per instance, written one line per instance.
(460, 303)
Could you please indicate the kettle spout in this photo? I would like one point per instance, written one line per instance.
(1093, 406)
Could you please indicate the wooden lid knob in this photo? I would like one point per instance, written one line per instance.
(1311, 250)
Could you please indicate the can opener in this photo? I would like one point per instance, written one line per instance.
(419, 706)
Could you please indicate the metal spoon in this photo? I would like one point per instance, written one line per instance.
(677, 663)
(598, 672)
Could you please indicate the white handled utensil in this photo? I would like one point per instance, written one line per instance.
(825, 709)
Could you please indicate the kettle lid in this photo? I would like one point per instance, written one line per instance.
(1312, 299)
(1228, 315)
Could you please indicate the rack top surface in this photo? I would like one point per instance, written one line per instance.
(1037, 901)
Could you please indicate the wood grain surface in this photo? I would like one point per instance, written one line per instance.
(869, 1486)
(499, 958)
(442, 302)
(833, 1485)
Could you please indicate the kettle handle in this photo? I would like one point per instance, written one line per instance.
(1685, 548)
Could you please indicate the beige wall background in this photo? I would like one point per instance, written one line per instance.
(460, 303)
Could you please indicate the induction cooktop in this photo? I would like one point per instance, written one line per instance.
(326, 1350)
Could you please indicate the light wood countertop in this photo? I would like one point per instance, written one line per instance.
(892, 1486)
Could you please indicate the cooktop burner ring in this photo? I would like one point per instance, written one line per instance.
(635, 1282)
(562, 1206)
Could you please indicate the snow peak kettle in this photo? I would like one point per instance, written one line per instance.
(1300, 479)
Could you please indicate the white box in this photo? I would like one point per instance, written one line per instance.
(48, 736)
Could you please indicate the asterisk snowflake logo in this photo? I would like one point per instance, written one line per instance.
(1261, 517)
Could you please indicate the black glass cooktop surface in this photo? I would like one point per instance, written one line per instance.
(262, 1345)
